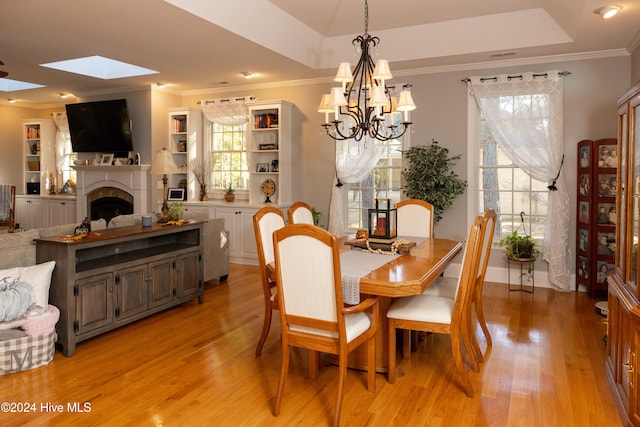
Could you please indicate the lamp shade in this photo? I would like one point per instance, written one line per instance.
(382, 70)
(164, 163)
(325, 106)
(344, 74)
(378, 97)
(337, 97)
(405, 103)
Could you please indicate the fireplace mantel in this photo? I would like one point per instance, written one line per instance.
(133, 179)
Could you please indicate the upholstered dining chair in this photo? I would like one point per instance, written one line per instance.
(312, 310)
(415, 218)
(441, 315)
(300, 213)
(447, 287)
(265, 222)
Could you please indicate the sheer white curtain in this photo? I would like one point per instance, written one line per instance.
(62, 143)
(354, 161)
(530, 134)
(227, 111)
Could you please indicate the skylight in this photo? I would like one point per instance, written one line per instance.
(100, 67)
(8, 85)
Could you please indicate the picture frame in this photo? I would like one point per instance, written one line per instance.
(176, 194)
(274, 165)
(584, 156)
(608, 156)
(262, 167)
(106, 159)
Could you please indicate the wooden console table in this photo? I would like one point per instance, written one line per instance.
(120, 276)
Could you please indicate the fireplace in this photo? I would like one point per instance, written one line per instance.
(107, 202)
(123, 188)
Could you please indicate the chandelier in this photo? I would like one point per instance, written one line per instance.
(364, 105)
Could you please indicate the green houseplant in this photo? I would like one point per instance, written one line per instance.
(429, 176)
(519, 246)
(229, 191)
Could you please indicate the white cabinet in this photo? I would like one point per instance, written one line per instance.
(62, 211)
(242, 244)
(185, 145)
(30, 212)
(270, 142)
(39, 157)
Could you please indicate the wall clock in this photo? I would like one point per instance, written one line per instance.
(268, 188)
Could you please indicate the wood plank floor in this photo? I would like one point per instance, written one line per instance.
(194, 365)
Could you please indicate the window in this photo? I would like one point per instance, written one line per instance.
(383, 182)
(228, 156)
(501, 185)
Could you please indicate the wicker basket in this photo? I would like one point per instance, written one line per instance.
(33, 165)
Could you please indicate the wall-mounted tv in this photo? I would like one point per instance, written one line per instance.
(100, 126)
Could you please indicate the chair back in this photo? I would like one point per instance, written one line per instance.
(415, 218)
(300, 213)
(309, 280)
(265, 222)
(7, 204)
(489, 228)
(470, 263)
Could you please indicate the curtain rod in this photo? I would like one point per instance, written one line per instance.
(517, 76)
(223, 100)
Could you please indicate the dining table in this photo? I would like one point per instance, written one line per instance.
(392, 276)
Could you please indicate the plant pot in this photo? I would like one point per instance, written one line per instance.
(229, 197)
(523, 250)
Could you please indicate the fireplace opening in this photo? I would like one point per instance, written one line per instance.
(108, 202)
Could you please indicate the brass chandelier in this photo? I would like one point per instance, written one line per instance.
(363, 106)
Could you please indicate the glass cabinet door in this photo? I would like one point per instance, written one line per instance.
(634, 203)
(621, 241)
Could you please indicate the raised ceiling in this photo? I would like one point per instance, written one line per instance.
(202, 45)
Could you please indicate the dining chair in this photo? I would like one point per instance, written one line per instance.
(265, 222)
(312, 310)
(300, 213)
(415, 218)
(7, 205)
(447, 287)
(441, 315)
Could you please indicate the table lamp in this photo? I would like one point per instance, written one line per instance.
(164, 165)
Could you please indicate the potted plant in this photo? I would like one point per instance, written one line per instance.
(519, 246)
(429, 177)
(200, 171)
(176, 211)
(229, 192)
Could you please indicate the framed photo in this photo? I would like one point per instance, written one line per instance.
(584, 157)
(584, 184)
(583, 240)
(177, 194)
(583, 215)
(608, 156)
(274, 165)
(106, 159)
(583, 267)
(607, 185)
(262, 167)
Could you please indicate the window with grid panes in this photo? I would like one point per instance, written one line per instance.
(507, 189)
(228, 157)
(384, 182)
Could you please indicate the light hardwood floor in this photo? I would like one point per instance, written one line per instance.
(194, 365)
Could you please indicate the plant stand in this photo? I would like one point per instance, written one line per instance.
(525, 276)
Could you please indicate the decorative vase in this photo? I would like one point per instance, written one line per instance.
(229, 197)
(203, 193)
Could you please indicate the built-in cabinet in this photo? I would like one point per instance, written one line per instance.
(125, 274)
(185, 145)
(38, 137)
(242, 242)
(623, 343)
(45, 211)
(271, 135)
(597, 215)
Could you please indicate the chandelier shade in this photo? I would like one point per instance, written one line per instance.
(364, 106)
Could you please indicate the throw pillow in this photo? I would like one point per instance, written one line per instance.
(38, 276)
(15, 298)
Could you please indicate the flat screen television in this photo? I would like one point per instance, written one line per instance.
(100, 126)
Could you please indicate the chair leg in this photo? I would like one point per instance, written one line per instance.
(457, 358)
(342, 368)
(313, 364)
(284, 368)
(371, 364)
(391, 374)
(265, 330)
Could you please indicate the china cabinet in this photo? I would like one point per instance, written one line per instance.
(623, 342)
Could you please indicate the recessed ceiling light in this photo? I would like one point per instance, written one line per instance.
(11, 100)
(8, 85)
(65, 95)
(99, 67)
(161, 84)
(248, 74)
(607, 12)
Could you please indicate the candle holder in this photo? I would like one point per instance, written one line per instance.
(383, 222)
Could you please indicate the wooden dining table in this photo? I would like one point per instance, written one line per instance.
(404, 275)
